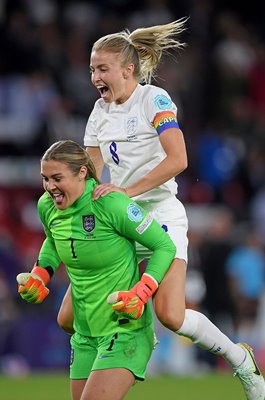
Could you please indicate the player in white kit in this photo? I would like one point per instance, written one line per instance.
(133, 129)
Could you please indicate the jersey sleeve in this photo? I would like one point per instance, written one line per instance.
(48, 256)
(160, 110)
(134, 223)
(90, 138)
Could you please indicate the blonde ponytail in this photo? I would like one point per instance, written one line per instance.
(144, 47)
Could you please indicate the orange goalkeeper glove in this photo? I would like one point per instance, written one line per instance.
(32, 285)
(131, 303)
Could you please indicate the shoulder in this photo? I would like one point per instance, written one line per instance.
(152, 90)
(158, 97)
(116, 203)
(45, 205)
(45, 201)
(112, 200)
(98, 107)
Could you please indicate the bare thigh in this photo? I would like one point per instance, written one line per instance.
(169, 300)
(108, 384)
(65, 316)
(77, 387)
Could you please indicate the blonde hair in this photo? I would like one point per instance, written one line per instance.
(143, 47)
(71, 154)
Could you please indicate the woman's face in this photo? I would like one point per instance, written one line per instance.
(62, 185)
(113, 81)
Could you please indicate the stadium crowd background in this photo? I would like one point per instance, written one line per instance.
(218, 84)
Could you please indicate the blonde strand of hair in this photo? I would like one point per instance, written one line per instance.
(152, 42)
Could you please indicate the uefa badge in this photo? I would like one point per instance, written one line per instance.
(163, 102)
(88, 222)
(134, 212)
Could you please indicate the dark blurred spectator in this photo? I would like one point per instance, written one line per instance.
(257, 212)
(26, 102)
(214, 251)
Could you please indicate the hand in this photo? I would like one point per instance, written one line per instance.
(127, 304)
(106, 188)
(131, 303)
(32, 285)
(145, 288)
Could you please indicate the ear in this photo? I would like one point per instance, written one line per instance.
(128, 71)
(82, 173)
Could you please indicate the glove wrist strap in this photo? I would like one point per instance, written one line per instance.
(150, 282)
(42, 273)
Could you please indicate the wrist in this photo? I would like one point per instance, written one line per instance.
(42, 273)
(145, 288)
(150, 282)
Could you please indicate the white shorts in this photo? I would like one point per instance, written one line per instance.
(170, 214)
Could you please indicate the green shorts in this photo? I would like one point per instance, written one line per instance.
(131, 350)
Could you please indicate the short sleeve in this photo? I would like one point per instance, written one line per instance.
(90, 138)
(160, 110)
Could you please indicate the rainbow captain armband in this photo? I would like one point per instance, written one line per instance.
(165, 120)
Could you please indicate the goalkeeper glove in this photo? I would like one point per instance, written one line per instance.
(131, 303)
(32, 285)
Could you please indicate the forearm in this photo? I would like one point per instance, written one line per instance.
(97, 159)
(164, 171)
(48, 256)
(160, 262)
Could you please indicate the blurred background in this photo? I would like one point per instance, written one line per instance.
(218, 85)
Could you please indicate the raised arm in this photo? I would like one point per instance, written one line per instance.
(97, 159)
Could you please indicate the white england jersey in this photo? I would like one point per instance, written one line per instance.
(128, 137)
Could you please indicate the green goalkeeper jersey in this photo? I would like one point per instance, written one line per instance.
(96, 242)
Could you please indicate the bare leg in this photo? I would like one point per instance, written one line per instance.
(65, 316)
(77, 387)
(108, 384)
(169, 300)
(169, 305)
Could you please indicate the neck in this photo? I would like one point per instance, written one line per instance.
(129, 91)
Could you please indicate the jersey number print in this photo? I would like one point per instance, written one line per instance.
(113, 152)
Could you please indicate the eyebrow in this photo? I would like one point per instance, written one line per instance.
(59, 175)
(99, 66)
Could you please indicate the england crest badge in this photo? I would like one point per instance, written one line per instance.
(88, 222)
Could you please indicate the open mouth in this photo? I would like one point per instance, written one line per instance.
(58, 197)
(103, 90)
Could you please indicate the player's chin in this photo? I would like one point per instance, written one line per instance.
(107, 99)
(62, 205)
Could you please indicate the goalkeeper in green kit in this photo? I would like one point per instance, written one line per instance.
(113, 323)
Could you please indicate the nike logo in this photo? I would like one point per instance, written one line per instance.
(54, 224)
(257, 371)
(103, 356)
(249, 350)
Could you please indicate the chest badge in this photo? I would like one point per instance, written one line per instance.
(131, 128)
(88, 222)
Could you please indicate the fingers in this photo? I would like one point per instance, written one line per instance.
(113, 298)
(34, 291)
(42, 294)
(118, 306)
(104, 189)
(23, 278)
